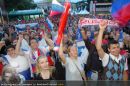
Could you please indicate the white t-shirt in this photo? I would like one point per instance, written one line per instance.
(105, 60)
(20, 62)
(72, 72)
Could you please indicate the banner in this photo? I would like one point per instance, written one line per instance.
(89, 21)
(22, 27)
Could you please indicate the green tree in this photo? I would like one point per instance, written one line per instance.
(19, 4)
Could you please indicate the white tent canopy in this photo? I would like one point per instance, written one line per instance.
(82, 12)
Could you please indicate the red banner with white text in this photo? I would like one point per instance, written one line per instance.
(89, 21)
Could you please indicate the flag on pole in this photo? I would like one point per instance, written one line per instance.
(79, 42)
(121, 37)
(91, 38)
(120, 11)
(62, 24)
(79, 35)
(57, 8)
(49, 23)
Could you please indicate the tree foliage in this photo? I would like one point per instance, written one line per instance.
(19, 4)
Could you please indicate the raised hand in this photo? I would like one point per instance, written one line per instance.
(103, 25)
(20, 37)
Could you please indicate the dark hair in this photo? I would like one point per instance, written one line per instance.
(10, 46)
(13, 27)
(105, 33)
(112, 42)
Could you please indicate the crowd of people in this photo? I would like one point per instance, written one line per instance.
(30, 53)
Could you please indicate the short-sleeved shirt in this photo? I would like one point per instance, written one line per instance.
(72, 72)
(20, 62)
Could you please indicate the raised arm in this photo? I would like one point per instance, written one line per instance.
(17, 49)
(102, 26)
(61, 54)
(49, 41)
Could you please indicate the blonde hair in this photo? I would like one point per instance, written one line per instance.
(38, 68)
(11, 73)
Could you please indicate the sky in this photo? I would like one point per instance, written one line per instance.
(37, 0)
